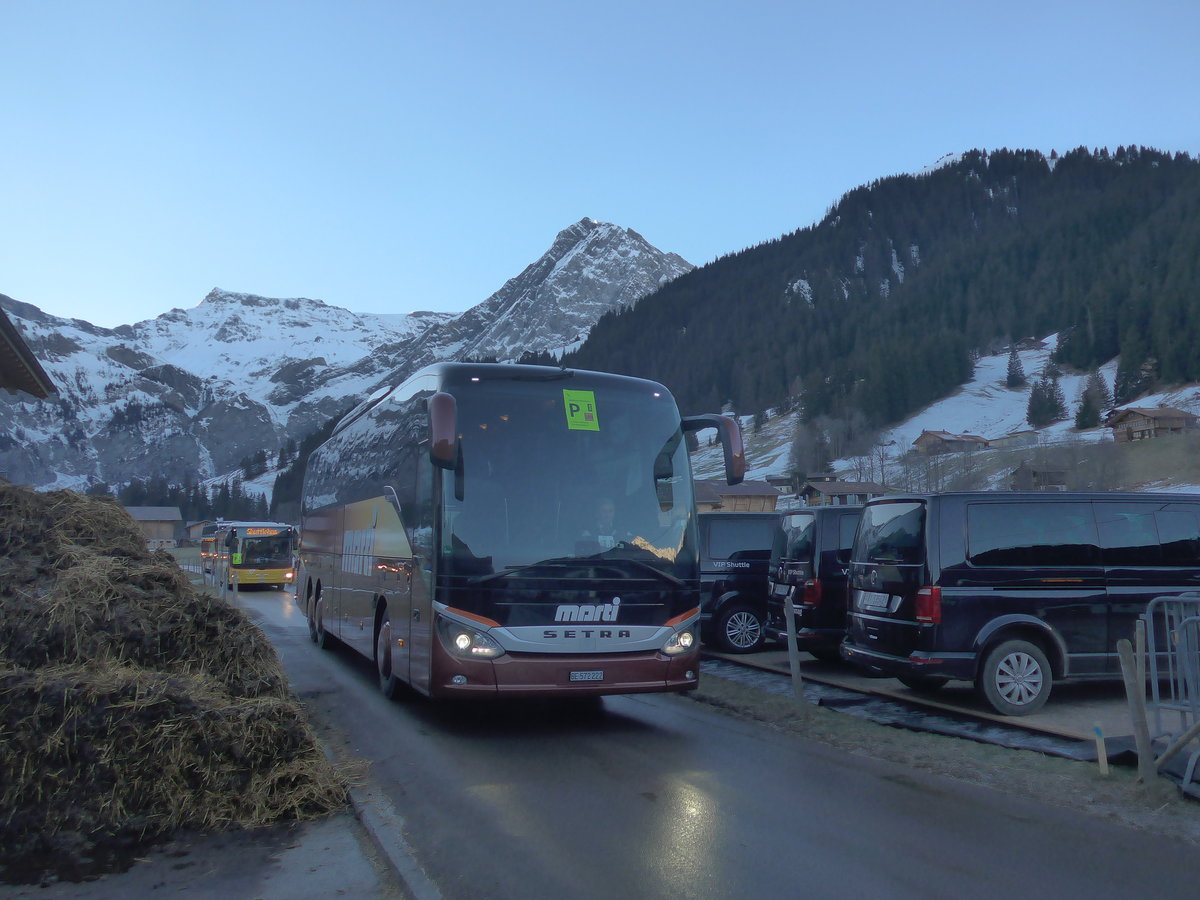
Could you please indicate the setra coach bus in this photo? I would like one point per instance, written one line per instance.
(505, 530)
(255, 553)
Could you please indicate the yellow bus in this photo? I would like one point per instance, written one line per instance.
(256, 553)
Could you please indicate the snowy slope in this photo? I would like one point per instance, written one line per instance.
(984, 407)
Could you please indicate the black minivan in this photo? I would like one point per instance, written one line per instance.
(811, 560)
(1013, 590)
(735, 550)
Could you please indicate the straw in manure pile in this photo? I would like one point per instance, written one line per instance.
(131, 705)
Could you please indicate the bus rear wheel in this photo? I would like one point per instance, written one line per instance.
(316, 624)
(389, 685)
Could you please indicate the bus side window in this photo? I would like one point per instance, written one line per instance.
(420, 518)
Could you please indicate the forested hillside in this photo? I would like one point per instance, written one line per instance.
(882, 306)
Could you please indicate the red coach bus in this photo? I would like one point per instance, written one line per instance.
(486, 530)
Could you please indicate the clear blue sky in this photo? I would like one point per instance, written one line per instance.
(394, 156)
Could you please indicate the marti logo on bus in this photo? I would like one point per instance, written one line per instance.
(600, 612)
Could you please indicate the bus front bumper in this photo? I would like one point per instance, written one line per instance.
(528, 675)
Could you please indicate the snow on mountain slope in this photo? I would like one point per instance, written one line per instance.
(984, 407)
(250, 340)
(190, 393)
(591, 268)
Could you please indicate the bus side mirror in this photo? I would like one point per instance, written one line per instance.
(730, 434)
(443, 430)
(231, 538)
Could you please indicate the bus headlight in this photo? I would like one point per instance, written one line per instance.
(679, 642)
(466, 642)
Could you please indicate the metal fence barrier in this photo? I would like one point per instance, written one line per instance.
(1172, 629)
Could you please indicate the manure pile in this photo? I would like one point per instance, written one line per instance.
(131, 704)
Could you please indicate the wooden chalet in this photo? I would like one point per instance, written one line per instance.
(931, 442)
(1137, 424)
(1024, 438)
(749, 496)
(840, 493)
(1028, 477)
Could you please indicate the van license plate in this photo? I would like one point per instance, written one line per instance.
(874, 600)
(594, 675)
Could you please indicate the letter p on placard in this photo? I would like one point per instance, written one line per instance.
(581, 410)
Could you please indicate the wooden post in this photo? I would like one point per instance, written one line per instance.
(1101, 752)
(1180, 743)
(1135, 694)
(789, 613)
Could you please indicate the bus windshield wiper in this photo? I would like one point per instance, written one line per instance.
(559, 563)
(641, 564)
(570, 562)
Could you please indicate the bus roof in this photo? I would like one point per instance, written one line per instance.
(278, 526)
(448, 374)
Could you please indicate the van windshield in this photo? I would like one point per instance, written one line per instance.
(794, 540)
(891, 532)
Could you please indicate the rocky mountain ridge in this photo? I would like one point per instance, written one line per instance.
(190, 393)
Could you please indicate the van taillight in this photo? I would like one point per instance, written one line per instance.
(929, 605)
(812, 592)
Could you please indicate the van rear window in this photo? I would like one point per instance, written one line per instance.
(891, 533)
(794, 541)
(1032, 534)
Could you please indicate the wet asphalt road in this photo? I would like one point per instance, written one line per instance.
(658, 796)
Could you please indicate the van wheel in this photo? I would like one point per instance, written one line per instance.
(923, 684)
(1015, 678)
(739, 629)
(389, 684)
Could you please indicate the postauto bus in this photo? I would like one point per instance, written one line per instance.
(449, 533)
(256, 553)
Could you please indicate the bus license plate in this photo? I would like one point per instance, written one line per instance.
(594, 675)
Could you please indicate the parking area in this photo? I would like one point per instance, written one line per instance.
(1073, 711)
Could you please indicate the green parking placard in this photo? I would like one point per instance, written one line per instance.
(581, 410)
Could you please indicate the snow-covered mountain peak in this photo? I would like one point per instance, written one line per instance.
(190, 392)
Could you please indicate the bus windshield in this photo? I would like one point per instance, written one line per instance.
(537, 488)
(266, 551)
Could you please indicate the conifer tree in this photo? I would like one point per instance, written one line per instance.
(1086, 414)
(1016, 372)
(1046, 403)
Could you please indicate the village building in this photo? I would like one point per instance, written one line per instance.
(840, 493)
(707, 498)
(162, 525)
(196, 530)
(1137, 424)
(1028, 477)
(932, 442)
(1030, 343)
(19, 369)
(1026, 437)
(749, 496)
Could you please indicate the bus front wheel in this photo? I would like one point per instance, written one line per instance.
(389, 684)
